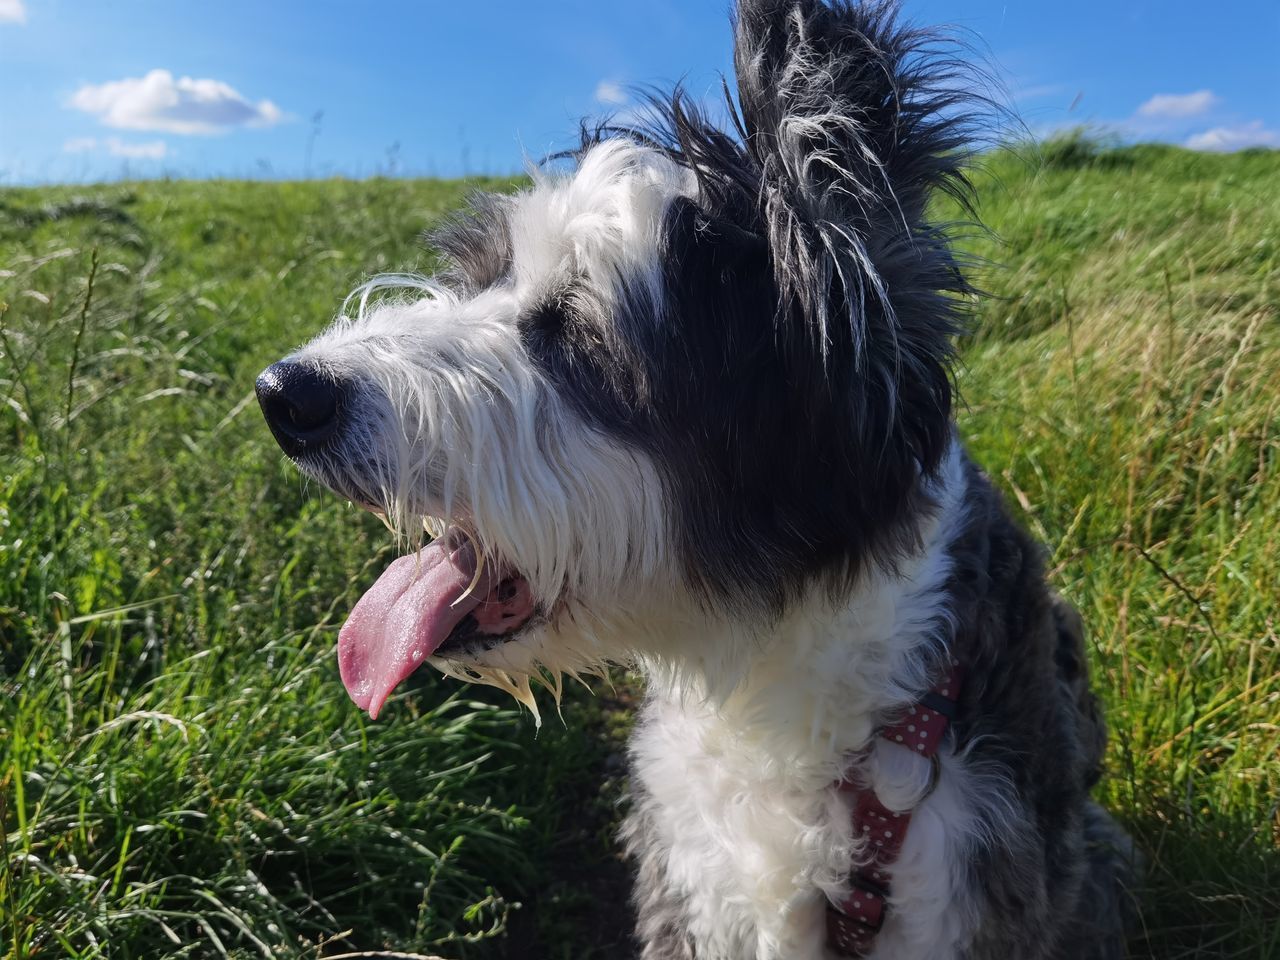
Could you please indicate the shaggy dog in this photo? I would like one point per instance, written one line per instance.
(689, 407)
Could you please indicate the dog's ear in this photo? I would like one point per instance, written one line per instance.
(854, 121)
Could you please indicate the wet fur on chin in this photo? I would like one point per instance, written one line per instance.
(697, 392)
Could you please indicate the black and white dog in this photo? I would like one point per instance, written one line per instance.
(689, 407)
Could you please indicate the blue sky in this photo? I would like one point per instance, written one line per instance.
(97, 89)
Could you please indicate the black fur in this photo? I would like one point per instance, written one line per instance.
(796, 388)
(476, 245)
(1055, 885)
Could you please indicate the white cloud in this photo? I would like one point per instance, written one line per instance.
(158, 101)
(608, 91)
(151, 150)
(1226, 139)
(12, 11)
(1177, 106)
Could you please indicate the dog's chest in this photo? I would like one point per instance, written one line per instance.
(739, 841)
(742, 840)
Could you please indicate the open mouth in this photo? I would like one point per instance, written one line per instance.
(438, 599)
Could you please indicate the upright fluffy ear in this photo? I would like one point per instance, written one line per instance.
(855, 120)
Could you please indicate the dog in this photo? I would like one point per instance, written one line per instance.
(689, 407)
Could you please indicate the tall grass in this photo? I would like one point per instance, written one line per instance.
(1123, 387)
(180, 771)
(180, 775)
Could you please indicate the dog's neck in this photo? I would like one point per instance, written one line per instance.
(814, 689)
(758, 758)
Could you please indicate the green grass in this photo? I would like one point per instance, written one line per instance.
(180, 771)
(1124, 389)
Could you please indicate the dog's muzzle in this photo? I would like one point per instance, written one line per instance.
(303, 406)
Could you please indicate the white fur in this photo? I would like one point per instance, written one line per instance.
(462, 425)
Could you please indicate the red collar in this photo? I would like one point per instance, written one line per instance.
(852, 923)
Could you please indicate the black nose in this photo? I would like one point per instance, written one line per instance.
(301, 404)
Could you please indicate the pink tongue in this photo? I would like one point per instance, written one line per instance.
(404, 617)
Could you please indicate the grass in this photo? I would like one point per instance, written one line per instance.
(1125, 391)
(180, 771)
(180, 775)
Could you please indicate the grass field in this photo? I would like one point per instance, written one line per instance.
(181, 774)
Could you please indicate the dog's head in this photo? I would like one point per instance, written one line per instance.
(698, 378)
